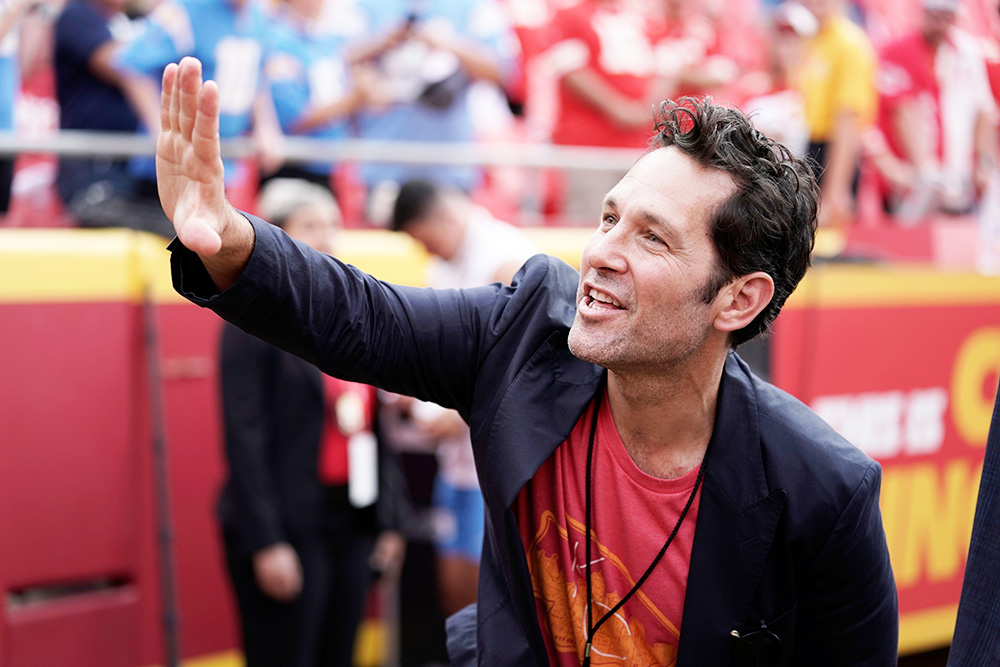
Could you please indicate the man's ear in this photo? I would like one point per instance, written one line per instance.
(742, 300)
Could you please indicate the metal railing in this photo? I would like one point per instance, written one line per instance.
(304, 149)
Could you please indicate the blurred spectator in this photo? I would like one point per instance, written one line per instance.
(534, 89)
(309, 489)
(690, 53)
(313, 91)
(232, 39)
(99, 191)
(470, 248)
(776, 106)
(838, 82)
(608, 83)
(428, 55)
(938, 119)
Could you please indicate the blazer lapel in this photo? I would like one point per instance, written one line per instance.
(737, 519)
(559, 382)
(536, 415)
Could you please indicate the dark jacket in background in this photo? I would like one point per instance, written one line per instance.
(273, 409)
(273, 415)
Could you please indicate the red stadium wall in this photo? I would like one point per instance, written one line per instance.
(80, 566)
(69, 464)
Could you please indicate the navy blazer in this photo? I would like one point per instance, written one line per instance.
(789, 533)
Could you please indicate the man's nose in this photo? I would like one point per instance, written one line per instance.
(607, 251)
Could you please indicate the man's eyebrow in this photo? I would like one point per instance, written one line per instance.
(662, 225)
(654, 218)
(651, 218)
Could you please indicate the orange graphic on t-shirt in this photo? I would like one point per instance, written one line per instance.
(621, 640)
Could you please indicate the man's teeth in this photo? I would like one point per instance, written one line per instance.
(603, 298)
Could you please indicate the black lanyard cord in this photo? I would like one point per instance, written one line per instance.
(591, 627)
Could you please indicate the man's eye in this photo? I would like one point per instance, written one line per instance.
(608, 219)
(656, 239)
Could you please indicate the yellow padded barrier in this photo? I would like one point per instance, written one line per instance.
(63, 265)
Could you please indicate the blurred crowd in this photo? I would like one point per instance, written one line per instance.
(895, 100)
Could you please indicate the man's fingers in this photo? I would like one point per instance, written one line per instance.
(175, 100)
(190, 87)
(205, 132)
(166, 95)
(189, 161)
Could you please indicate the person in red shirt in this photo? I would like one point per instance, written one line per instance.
(695, 51)
(937, 116)
(605, 64)
(608, 75)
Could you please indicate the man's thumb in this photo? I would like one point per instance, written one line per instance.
(200, 237)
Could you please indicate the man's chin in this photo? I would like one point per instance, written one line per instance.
(581, 348)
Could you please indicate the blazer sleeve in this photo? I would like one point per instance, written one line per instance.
(420, 342)
(246, 372)
(850, 615)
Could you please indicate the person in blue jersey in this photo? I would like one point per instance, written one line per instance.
(314, 92)
(99, 191)
(232, 39)
(428, 53)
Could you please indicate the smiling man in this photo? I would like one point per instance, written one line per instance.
(649, 500)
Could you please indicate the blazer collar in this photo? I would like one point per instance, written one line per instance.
(734, 456)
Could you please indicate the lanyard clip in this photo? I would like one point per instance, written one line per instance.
(757, 648)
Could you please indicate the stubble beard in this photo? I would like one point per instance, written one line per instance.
(579, 348)
(620, 352)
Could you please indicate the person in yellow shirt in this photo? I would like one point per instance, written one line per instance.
(837, 80)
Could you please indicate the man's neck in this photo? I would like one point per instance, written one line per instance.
(666, 420)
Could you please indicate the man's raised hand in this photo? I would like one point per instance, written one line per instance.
(189, 174)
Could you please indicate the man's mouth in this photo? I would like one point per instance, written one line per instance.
(598, 300)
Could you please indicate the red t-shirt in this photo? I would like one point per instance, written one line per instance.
(633, 514)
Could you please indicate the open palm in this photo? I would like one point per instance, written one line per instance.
(189, 172)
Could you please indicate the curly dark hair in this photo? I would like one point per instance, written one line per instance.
(769, 223)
